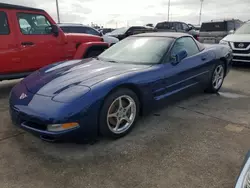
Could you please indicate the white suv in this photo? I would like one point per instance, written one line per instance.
(240, 43)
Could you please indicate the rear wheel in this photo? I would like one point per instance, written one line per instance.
(217, 78)
(119, 113)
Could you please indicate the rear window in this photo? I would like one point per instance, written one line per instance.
(164, 25)
(214, 26)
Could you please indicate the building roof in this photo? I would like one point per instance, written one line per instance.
(10, 6)
(163, 34)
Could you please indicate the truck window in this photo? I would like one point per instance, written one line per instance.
(4, 26)
(164, 25)
(33, 24)
(213, 26)
(185, 26)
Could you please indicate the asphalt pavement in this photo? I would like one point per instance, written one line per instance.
(197, 142)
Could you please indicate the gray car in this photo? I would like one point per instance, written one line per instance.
(212, 32)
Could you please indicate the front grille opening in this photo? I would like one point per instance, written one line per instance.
(35, 125)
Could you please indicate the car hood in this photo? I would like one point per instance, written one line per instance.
(56, 78)
(237, 38)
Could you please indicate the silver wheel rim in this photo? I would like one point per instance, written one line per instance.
(121, 114)
(218, 77)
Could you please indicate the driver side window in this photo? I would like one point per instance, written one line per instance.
(185, 43)
(33, 24)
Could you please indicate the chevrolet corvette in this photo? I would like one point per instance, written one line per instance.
(106, 95)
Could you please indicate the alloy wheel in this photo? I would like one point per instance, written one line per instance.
(218, 77)
(121, 114)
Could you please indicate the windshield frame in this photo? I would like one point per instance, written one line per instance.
(160, 61)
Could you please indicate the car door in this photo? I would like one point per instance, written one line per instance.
(9, 56)
(190, 72)
(38, 44)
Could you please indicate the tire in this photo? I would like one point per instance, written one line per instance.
(214, 86)
(93, 53)
(126, 115)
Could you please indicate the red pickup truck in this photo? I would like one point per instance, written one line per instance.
(30, 39)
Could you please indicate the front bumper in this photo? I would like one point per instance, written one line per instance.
(38, 126)
(240, 54)
(241, 58)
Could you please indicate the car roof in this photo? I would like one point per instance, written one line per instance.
(18, 7)
(163, 34)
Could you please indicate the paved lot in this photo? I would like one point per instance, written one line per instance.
(197, 142)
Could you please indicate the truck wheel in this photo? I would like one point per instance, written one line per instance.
(92, 53)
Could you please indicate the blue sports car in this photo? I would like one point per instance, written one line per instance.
(105, 95)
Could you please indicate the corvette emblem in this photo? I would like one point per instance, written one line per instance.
(241, 45)
(23, 96)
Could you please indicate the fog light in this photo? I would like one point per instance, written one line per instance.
(61, 127)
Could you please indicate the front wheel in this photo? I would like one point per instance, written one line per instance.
(217, 78)
(119, 113)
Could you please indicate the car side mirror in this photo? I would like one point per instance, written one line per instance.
(55, 30)
(189, 29)
(231, 31)
(177, 58)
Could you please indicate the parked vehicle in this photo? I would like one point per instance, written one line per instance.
(174, 26)
(240, 43)
(30, 40)
(79, 28)
(243, 180)
(124, 32)
(104, 31)
(105, 95)
(212, 32)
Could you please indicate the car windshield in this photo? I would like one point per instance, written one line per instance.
(244, 29)
(137, 50)
(119, 31)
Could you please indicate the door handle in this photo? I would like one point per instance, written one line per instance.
(27, 43)
(203, 58)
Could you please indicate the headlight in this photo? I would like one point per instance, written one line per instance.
(223, 42)
(62, 127)
(71, 93)
(244, 178)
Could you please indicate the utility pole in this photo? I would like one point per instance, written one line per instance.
(58, 14)
(200, 12)
(168, 9)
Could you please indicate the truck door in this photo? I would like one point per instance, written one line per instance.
(9, 51)
(39, 46)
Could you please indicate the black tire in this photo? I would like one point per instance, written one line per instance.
(93, 53)
(103, 122)
(211, 88)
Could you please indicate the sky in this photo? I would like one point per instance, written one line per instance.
(119, 13)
